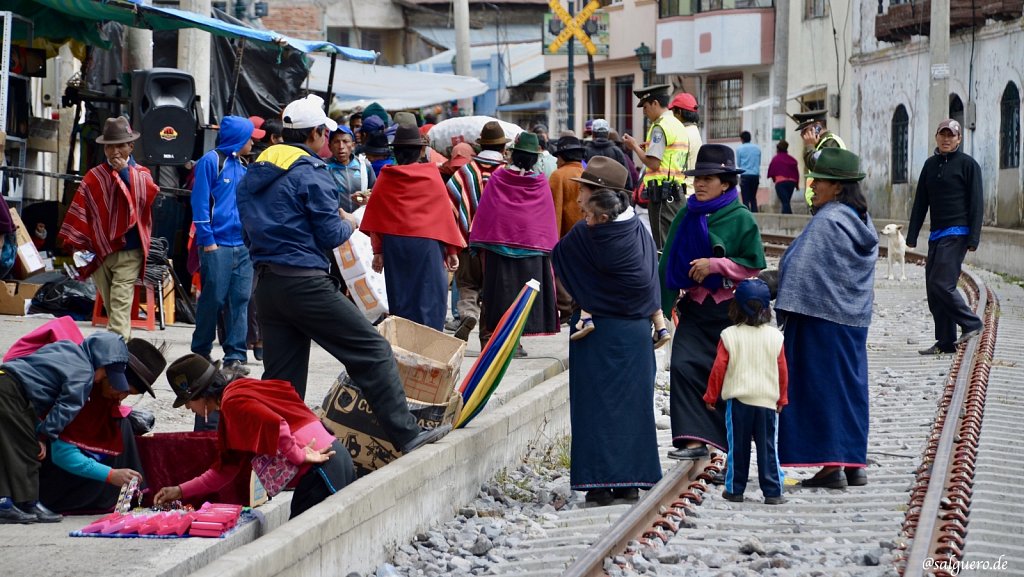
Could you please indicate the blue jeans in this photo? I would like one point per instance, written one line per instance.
(227, 282)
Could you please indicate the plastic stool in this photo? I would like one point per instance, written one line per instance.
(99, 317)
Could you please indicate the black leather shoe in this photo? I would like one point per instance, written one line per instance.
(465, 327)
(626, 493)
(601, 497)
(14, 515)
(834, 480)
(426, 437)
(967, 336)
(689, 454)
(856, 476)
(735, 498)
(774, 500)
(42, 514)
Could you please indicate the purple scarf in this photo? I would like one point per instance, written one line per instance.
(517, 211)
(693, 241)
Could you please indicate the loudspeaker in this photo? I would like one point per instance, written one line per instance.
(162, 111)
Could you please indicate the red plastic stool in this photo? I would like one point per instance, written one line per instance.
(99, 315)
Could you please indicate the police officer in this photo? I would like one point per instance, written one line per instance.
(664, 155)
(816, 136)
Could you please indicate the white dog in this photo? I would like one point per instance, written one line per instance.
(897, 249)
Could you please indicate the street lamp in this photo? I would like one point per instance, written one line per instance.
(646, 58)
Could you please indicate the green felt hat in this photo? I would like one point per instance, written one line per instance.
(836, 164)
(527, 142)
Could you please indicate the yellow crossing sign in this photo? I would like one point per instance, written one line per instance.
(573, 25)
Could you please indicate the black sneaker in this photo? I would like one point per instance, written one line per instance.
(733, 497)
(626, 493)
(426, 437)
(235, 366)
(602, 497)
(780, 500)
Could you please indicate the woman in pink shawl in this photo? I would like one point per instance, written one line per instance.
(514, 230)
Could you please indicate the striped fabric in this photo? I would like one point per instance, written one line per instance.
(104, 209)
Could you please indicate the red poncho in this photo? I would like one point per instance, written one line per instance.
(412, 200)
(104, 209)
(251, 412)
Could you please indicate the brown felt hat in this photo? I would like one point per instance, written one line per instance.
(604, 172)
(492, 133)
(117, 130)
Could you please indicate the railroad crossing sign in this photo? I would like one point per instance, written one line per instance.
(574, 26)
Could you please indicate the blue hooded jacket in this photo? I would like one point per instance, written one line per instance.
(288, 203)
(220, 224)
(58, 378)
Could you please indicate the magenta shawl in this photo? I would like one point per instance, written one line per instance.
(516, 211)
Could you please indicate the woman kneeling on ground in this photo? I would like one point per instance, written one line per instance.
(264, 422)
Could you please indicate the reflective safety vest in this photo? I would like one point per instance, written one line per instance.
(677, 149)
(808, 193)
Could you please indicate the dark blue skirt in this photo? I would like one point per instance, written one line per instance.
(826, 420)
(416, 280)
(611, 406)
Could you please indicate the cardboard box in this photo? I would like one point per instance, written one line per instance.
(14, 295)
(28, 261)
(347, 415)
(42, 134)
(429, 361)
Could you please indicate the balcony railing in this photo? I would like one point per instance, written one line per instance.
(669, 8)
(906, 19)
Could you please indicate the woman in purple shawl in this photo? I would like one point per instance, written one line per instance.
(611, 270)
(514, 230)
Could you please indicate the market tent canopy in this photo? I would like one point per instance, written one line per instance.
(68, 19)
(394, 88)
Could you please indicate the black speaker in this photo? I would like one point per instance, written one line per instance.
(162, 111)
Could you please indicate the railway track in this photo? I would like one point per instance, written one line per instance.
(937, 471)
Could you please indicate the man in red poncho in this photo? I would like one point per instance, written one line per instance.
(414, 234)
(111, 216)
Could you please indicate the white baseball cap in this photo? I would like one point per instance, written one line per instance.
(600, 125)
(307, 112)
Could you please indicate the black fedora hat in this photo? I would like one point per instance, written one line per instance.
(189, 376)
(408, 136)
(567, 143)
(145, 363)
(714, 159)
(377, 143)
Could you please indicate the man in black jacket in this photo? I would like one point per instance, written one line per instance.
(602, 146)
(950, 188)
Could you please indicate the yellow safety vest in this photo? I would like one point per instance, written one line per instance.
(808, 193)
(677, 149)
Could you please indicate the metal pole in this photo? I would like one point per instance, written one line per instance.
(938, 93)
(329, 95)
(138, 47)
(229, 109)
(570, 99)
(463, 57)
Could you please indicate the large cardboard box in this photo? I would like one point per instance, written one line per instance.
(28, 260)
(13, 297)
(429, 361)
(347, 414)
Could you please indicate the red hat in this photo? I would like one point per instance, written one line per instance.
(684, 100)
(257, 122)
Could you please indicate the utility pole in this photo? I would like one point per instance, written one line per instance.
(194, 54)
(570, 97)
(780, 71)
(463, 58)
(938, 41)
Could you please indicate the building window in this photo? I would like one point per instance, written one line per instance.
(900, 130)
(595, 99)
(1009, 127)
(725, 96)
(956, 108)
(624, 107)
(815, 9)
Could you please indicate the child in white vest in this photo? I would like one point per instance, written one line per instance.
(750, 375)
